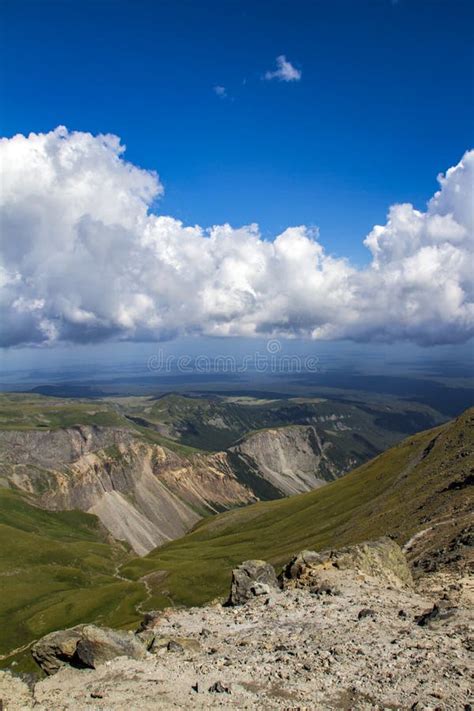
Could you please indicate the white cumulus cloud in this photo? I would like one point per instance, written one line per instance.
(82, 258)
(284, 71)
(220, 91)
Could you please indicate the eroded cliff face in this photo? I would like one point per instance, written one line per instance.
(291, 459)
(143, 493)
(147, 494)
(49, 447)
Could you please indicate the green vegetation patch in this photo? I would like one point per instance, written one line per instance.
(57, 569)
(29, 412)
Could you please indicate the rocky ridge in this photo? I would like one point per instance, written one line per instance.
(146, 494)
(291, 459)
(143, 493)
(345, 629)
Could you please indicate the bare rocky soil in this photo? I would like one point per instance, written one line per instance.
(340, 640)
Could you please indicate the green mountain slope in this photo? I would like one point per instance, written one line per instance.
(60, 568)
(422, 484)
(56, 570)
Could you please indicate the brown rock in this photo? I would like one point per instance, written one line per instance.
(85, 646)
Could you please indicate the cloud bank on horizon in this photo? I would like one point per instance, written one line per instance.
(83, 259)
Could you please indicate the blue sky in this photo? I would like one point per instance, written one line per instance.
(381, 102)
(385, 101)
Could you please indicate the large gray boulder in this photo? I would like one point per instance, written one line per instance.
(252, 579)
(100, 644)
(85, 646)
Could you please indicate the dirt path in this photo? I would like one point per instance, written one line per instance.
(409, 544)
(146, 581)
(18, 650)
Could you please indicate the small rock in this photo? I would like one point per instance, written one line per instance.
(147, 636)
(365, 612)
(149, 621)
(324, 589)
(219, 688)
(427, 616)
(260, 589)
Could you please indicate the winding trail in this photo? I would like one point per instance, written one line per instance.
(116, 574)
(144, 581)
(409, 544)
(18, 650)
(149, 593)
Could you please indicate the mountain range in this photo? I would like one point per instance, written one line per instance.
(86, 487)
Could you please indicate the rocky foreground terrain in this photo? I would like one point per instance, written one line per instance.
(339, 630)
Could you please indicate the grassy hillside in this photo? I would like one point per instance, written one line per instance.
(420, 482)
(29, 411)
(59, 569)
(56, 570)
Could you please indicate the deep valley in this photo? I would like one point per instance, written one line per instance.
(89, 485)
